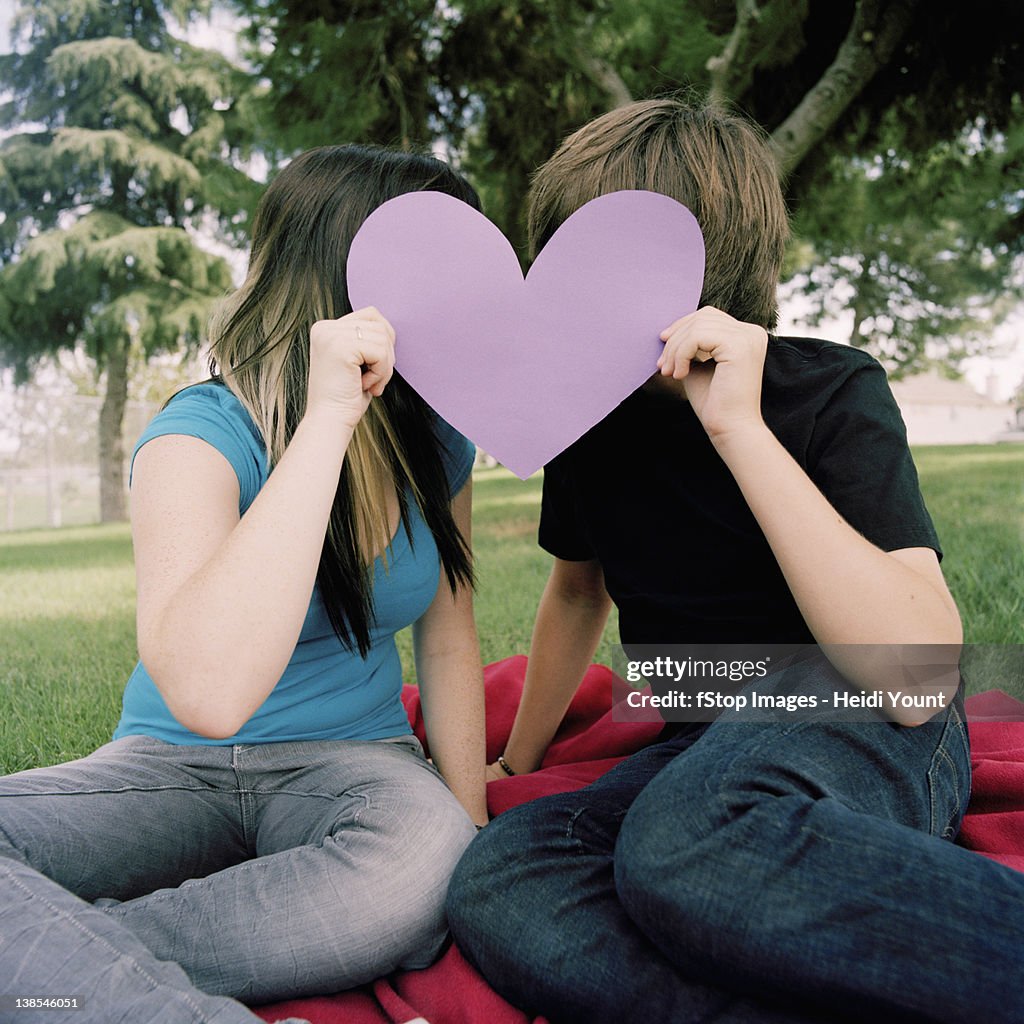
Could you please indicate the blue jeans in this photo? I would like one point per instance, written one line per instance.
(163, 883)
(744, 872)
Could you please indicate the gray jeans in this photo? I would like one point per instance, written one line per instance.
(152, 881)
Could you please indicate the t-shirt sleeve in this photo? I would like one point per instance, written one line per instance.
(458, 454)
(859, 458)
(560, 532)
(220, 421)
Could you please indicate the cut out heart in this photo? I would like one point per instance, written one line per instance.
(525, 367)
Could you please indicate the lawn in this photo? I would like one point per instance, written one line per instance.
(67, 597)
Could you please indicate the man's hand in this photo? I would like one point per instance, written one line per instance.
(720, 360)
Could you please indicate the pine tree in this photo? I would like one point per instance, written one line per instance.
(125, 140)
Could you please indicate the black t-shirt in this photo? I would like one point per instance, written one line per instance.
(646, 494)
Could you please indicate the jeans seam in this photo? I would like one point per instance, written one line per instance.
(153, 982)
(570, 826)
(945, 831)
(239, 790)
(719, 787)
(953, 724)
(108, 792)
(246, 817)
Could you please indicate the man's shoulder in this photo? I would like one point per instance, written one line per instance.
(807, 379)
(828, 356)
(810, 371)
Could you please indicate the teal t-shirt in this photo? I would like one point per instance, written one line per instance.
(327, 692)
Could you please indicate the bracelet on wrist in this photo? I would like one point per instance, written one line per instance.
(505, 767)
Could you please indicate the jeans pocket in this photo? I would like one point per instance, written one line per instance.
(949, 778)
(410, 745)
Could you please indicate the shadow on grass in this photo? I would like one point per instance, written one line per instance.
(79, 548)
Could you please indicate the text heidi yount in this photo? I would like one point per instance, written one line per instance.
(889, 700)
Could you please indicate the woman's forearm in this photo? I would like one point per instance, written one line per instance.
(452, 682)
(218, 643)
(452, 694)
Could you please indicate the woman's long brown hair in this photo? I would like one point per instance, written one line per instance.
(259, 337)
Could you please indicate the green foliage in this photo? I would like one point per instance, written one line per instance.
(122, 141)
(347, 72)
(103, 281)
(120, 146)
(916, 243)
(501, 83)
(518, 81)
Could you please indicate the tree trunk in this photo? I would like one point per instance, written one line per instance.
(113, 507)
(860, 308)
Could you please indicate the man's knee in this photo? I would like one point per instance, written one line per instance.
(481, 879)
(681, 853)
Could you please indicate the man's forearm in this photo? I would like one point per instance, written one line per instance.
(848, 590)
(565, 635)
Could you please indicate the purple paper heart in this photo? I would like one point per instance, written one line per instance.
(523, 368)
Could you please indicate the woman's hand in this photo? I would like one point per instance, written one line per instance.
(351, 360)
(720, 360)
(493, 772)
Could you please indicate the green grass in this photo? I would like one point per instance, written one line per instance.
(976, 497)
(67, 641)
(67, 624)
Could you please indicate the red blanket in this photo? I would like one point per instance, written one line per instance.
(587, 745)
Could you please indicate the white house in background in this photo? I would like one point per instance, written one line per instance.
(941, 411)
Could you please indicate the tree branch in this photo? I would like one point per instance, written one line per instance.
(732, 69)
(876, 31)
(601, 73)
(755, 36)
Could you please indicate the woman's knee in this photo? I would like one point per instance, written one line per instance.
(403, 864)
(426, 881)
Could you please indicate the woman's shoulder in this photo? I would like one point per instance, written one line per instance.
(211, 412)
(210, 403)
(458, 453)
(210, 396)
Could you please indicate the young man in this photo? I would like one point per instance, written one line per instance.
(756, 490)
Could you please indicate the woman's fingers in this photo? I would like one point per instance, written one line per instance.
(351, 361)
(374, 348)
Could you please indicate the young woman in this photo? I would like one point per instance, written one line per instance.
(264, 824)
